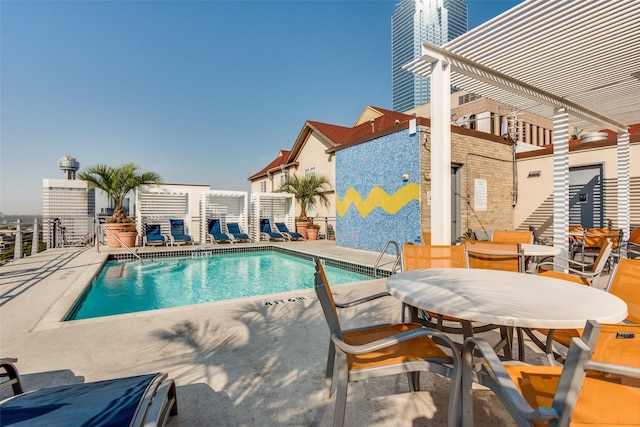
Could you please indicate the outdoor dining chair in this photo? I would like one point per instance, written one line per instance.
(495, 255)
(436, 256)
(512, 236)
(633, 244)
(589, 272)
(623, 284)
(598, 385)
(382, 350)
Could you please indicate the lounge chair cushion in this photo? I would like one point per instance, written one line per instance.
(177, 231)
(153, 233)
(282, 228)
(216, 231)
(102, 403)
(235, 231)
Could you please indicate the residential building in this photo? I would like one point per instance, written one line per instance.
(472, 111)
(68, 208)
(311, 153)
(414, 22)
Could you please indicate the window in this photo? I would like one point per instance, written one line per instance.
(463, 99)
(263, 186)
(284, 177)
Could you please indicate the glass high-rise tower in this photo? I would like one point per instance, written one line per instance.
(415, 22)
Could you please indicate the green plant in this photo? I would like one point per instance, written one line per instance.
(308, 191)
(117, 182)
(314, 226)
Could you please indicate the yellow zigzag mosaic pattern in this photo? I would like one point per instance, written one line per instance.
(378, 198)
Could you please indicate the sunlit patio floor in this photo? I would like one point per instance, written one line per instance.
(237, 363)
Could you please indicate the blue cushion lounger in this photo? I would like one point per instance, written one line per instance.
(267, 231)
(234, 230)
(215, 233)
(293, 235)
(143, 400)
(153, 235)
(177, 232)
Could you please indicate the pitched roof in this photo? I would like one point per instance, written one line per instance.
(283, 155)
(334, 135)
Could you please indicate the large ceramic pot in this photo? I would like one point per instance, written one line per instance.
(128, 238)
(117, 228)
(301, 227)
(312, 233)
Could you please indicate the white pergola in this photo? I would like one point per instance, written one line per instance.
(577, 62)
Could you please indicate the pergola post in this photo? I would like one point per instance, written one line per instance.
(561, 180)
(624, 184)
(440, 152)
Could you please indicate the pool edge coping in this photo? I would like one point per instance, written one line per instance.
(53, 318)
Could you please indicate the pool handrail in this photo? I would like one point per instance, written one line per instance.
(117, 238)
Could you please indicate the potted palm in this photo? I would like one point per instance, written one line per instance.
(116, 182)
(308, 191)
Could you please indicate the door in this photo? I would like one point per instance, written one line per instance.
(586, 196)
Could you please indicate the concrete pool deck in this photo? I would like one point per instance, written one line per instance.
(256, 361)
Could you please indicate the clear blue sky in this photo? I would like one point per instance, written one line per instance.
(201, 92)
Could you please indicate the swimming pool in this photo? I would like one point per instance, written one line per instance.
(130, 286)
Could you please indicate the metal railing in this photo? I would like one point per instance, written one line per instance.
(395, 264)
(100, 226)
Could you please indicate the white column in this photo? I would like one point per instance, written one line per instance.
(440, 153)
(624, 184)
(17, 248)
(34, 237)
(561, 180)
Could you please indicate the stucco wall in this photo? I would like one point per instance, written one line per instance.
(373, 202)
(534, 191)
(312, 155)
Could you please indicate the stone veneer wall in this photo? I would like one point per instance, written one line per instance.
(373, 203)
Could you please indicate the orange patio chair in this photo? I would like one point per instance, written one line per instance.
(588, 271)
(598, 385)
(381, 350)
(416, 257)
(633, 244)
(512, 236)
(494, 255)
(624, 284)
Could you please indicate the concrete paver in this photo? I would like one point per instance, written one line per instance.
(236, 363)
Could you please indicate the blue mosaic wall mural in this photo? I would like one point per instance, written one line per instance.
(374, 204)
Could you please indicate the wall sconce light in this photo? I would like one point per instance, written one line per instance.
(534, 174)
(405, 177)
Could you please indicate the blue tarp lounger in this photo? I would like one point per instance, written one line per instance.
(144, 400)
(293, 235)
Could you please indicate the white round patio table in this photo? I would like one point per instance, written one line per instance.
(506, 298)
(542, 251)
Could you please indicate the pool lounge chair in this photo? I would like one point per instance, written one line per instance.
(178, 235)
(236, 233)
(215, 234)
(267, 232)
(292, 235)
(143, 400)
(153, 235)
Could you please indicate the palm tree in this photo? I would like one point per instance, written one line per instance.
(117, 182)
(308, 191)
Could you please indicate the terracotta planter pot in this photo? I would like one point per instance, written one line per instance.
(129, 238)
(301, 227)
(312, 233)
(117, 228)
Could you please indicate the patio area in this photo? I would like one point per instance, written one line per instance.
(236, 363)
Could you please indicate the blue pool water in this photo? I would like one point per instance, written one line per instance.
(129, 286)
